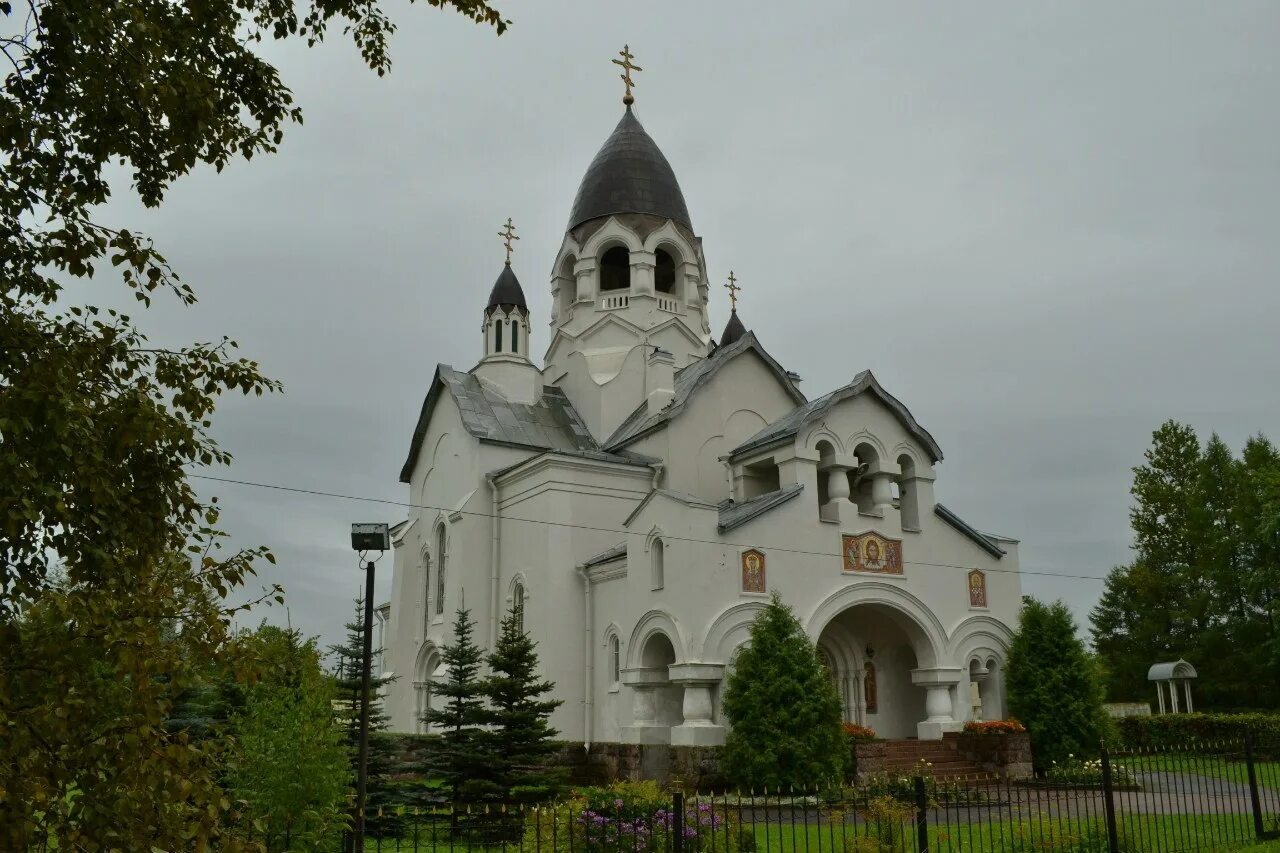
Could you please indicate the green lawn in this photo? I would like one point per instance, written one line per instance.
(1267, 772)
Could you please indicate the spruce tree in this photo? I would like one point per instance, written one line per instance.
(784, 709)
(1053, 684)
(463, 757)
(520, 733)
(348, 676)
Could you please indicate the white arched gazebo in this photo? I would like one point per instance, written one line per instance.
(1170, 674)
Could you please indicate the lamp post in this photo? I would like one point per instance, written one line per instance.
(366, 538)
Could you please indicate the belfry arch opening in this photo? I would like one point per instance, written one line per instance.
(615, 269)
(664, 272)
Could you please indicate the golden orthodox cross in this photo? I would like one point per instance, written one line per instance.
(733, 289)
(508, 234)
(627, 68)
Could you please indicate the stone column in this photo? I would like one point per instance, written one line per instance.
(1187, 686)
(645, 726)
(642, 265)
(837, 482)
(937, 683)
(585, 271)
(881, 492)
(698, 727)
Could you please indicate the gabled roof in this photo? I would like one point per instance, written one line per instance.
(737, 514)
(786, 427)
(688, 380)
(550, 424)
(980, 539)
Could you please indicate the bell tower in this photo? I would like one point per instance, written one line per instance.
(506, 363)
(630, 277)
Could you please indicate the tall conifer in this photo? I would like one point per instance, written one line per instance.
(464, 757)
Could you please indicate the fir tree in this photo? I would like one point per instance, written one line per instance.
(1053, 684)
(520, 733)
(382, 762)
(784, 709)
(463, 757)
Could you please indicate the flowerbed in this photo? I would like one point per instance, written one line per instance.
(858, 734)
(1088, 773)
(994, 727)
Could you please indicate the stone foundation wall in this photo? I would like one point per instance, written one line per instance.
(692, 767)
(1006, 755)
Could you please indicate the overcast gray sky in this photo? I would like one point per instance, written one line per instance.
(1045, 227)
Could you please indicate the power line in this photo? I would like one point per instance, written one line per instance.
(611, 530)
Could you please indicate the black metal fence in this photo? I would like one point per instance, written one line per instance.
(1202, 797)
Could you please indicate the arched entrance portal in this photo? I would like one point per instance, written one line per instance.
(884, 664)
(656, 701)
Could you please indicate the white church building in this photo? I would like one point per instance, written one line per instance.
(640, 493)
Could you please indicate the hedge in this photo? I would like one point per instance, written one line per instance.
(1172, 731)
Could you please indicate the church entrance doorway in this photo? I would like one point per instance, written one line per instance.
(883, 665)
(656, 700)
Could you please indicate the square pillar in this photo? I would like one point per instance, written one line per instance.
(645, 727)
(698, 727)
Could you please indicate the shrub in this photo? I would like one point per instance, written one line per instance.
(1077, 771)
(1053, 684)
(1174, 731)
(994, 727)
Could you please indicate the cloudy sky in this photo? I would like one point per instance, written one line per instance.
(1045, 227)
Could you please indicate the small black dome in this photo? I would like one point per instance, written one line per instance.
(733, 330)
(629, 175)
(507, 292)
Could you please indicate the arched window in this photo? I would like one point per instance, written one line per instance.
(908, 494)
(517, 606)
(664, 272)
(658, 572)
(426, 590)
(615, 269)
(515, 336)
(441, 561)
(615, 659)
(497, 336)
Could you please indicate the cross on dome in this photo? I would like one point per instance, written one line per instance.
(627, 68)
(508, 233)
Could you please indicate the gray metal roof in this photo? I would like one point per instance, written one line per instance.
(688, 380)
(550, 424)
(979, 538)
(608, 555)
(1171, 669)
(789, 425)
(737, 514)
(733, 330)
(629, 175)
(507, 292)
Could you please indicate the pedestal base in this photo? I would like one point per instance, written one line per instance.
(697, 736)
(646, 734)
(935, 731)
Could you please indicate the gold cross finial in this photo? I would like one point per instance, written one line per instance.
(508, 234)
(627, 68)
(733, 289)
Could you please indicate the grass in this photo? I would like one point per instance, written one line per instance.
(1267, 772)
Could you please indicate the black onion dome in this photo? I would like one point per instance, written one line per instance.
(733, 330)
(507, 293)
(629, 175)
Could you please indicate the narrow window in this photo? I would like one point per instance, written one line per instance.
(515, 336)
(659, 569)
(664, 272)
(497, 336)
(615, 269)
(615, 659)
(440, 569)
(517, 606)
(426, 589)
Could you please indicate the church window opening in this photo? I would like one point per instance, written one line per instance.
(517, 606)
(515, 336)
(760, 478)
(426, 588)
(615, 659)
(615, 269)
(908, 494)
(659, 567)
(497, 336)
(664, 272)
(441, 560)
(860, 479)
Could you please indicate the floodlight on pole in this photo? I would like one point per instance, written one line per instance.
(366, 538)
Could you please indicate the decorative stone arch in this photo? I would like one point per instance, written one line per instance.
(519, 579)
(980, 644)
(863, 437)
(979, 632)
(654, 622)
(928, 637)
(730, 631)
(655, 545)
(425, 668)
(903, 448)
(613, 634)
(822, 432)
(612, 233)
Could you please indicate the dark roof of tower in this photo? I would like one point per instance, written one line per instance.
(733, 330)
(629, 175)
(507, 292)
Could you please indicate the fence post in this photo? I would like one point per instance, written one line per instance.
(1113, 839)
(922, 816)
(677, 821)
(1254, 800)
